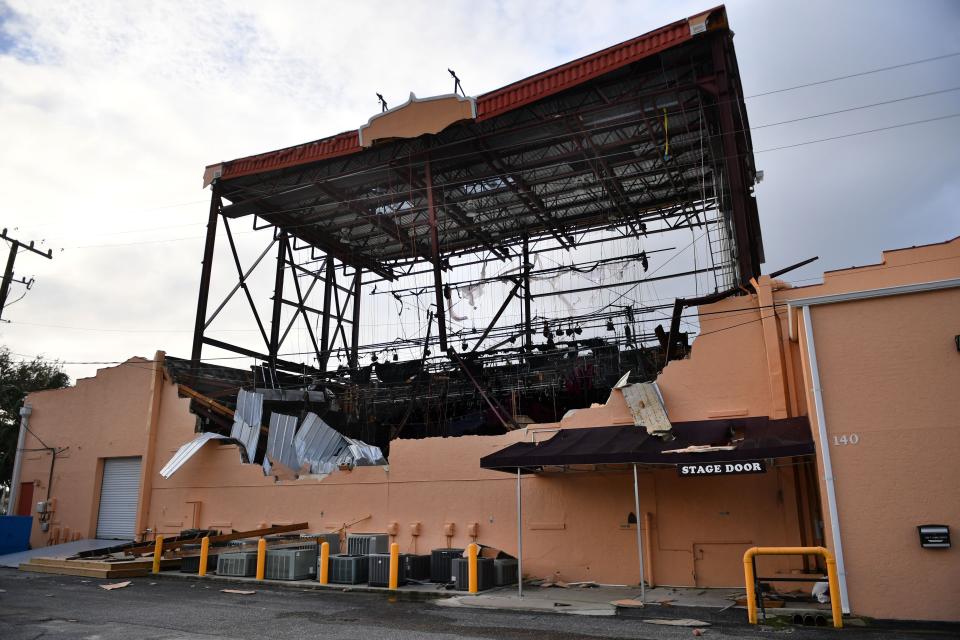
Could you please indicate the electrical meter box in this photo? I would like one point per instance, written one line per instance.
(934, 536)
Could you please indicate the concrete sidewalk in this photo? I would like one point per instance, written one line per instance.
(709, 605)
(661, 602)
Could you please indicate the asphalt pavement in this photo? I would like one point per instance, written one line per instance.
(34, 606)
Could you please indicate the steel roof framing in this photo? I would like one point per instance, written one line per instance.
(583, 155)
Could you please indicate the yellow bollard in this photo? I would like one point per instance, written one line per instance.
(261, 558)
(750, 587)
(832, 578)
(157, 552)
(834, 583)
(204, 554)
(394, 565)
(472, 550)
(324, 563)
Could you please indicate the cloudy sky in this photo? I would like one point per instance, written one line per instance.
(109, 112)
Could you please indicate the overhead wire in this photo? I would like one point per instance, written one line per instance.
(853, 75)
(879, 129)
(588, 130)
(571, 196)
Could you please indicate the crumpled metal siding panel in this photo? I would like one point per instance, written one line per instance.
(324, 448)
(359, 453)
(317, 443)
(246, 421)
(280, 441)
(187, 451)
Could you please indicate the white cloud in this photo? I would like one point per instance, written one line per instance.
(109, 112)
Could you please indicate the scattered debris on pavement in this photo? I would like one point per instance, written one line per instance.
(677, 622)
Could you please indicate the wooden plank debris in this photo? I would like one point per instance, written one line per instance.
(115, 585)
(145, 549)
(96, 568)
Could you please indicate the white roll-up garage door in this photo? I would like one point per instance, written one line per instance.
(118, 499)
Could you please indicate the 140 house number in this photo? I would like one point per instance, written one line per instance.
(846, 439)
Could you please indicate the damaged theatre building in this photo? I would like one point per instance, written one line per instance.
(536, 319)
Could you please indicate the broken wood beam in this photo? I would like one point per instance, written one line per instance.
(209, 403)
(144, 549)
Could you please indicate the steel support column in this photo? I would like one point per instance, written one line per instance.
(204, 294)
(355, 329)
(278, 297)
(527, 319)
(329, 280)
(437, 260)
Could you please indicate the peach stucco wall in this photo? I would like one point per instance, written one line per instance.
(573, 523)
(100, 417)
(888, 369)
(890, 373)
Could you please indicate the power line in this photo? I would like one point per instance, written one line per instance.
(865, 106)
(775, 91)
(852, 75)
(458, 183)
(857, 133)
(112, 330)
(674, 165)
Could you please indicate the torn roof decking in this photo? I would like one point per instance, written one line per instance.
(219, 382)
(582, 146)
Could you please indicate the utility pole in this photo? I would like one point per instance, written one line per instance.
(15, 246)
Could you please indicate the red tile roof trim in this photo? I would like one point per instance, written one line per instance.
(489, 105)
(339, 145)
(573, 73)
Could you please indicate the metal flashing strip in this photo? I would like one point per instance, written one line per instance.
(865, 294)
(825, 460)
(187, 451)
(280, 441)
(917, 287)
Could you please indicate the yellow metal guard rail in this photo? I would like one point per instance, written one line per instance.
(750, 576)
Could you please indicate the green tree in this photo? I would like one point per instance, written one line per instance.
(18, 378)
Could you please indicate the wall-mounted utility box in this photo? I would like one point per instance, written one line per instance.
(291, 563)
(934, 536)
(243, 564)
(364, 544)
(441, 569)
(348, 569)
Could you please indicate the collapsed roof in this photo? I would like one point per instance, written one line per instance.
(647, 137)
(649, 130)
